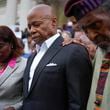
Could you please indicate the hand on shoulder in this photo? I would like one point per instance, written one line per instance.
(9, 108)
(81, 39)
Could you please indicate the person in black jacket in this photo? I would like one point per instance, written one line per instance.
(56, 77)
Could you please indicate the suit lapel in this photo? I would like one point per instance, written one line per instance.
(7, 73)
(51, 52)
(26, 74)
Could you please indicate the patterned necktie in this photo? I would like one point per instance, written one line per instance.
(104, 70)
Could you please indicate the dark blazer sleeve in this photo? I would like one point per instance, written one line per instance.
(79, 76)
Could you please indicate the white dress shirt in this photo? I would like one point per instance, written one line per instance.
(44, 47)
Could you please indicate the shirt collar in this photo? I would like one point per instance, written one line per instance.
(51, 40)
(47, 43)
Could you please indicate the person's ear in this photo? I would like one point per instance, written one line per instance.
(54, 21)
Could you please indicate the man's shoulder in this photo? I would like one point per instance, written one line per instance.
(75, 46)
(76, 49)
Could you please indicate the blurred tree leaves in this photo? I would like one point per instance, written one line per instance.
(2, 3)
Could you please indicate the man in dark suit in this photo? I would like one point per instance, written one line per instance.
(57, 77)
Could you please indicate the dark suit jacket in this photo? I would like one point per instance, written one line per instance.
(61, 81)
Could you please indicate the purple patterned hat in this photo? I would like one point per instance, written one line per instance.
(80, 8)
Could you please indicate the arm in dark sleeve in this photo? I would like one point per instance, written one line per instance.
(79, 77)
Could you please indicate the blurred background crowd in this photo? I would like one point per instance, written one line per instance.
(13, 13)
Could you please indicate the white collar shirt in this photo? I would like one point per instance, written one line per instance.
(44, 47)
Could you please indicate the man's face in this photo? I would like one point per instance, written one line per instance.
(100, 39)
(40, 27)
(98, 30)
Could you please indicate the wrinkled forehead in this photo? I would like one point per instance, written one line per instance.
(34, 14)
(95, 17)
(39, 12)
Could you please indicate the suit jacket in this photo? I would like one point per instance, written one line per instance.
(11, 85)
(61, 80)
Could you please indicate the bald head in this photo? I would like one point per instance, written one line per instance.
(42, 22)
(42, 10)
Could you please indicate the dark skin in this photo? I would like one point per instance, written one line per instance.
(5, 51)
(41, 27)
(41, 23)
(80, 40)
(97, 28)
